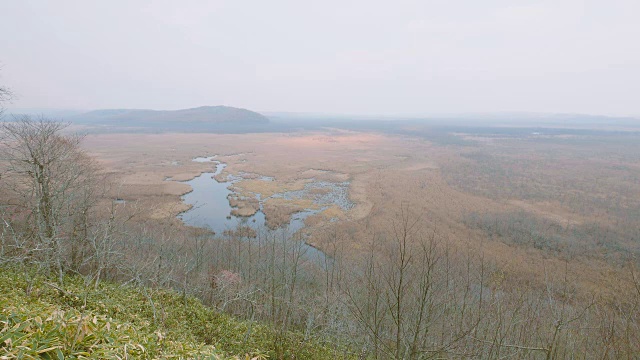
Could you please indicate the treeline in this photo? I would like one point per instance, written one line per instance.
(409, 294)
(618, 246)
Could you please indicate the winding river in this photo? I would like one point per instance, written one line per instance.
(211, 209)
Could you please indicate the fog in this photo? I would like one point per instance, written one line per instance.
(360, 57)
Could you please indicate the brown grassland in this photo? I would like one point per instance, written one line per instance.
(472, 193)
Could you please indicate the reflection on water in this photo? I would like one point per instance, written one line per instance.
(211, 209)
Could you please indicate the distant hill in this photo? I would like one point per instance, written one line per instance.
(199, 115)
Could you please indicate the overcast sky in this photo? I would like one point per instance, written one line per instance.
(329, 56)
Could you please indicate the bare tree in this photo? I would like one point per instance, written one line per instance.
(6, 95)
(50, 182)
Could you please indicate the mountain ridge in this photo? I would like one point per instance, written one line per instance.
(199, 115)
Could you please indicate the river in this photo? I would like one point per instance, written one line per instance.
(211, 209)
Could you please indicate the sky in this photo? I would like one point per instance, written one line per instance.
(329, 56)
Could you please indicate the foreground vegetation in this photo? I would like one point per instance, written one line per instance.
(40, 319)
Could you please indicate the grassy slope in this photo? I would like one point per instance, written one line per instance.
(129, 322)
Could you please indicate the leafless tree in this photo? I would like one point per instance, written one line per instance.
(6, 95)
(50, 182)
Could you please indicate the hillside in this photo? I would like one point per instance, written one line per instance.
(204, 116)
(41, 319)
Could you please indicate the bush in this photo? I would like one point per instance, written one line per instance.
(41, 320)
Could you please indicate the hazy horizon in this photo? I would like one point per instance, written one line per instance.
(410, 58)
(509, 116)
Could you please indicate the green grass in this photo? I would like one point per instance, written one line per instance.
(113, 321)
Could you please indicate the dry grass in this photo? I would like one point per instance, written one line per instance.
(324, 175)
(278, 211)
(386, 172)
(244, 206)
(267, 188)
(244, 210)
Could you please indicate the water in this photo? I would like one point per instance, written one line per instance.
(210, 209)
(210, 205)
(333, 193)
(204, 158)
